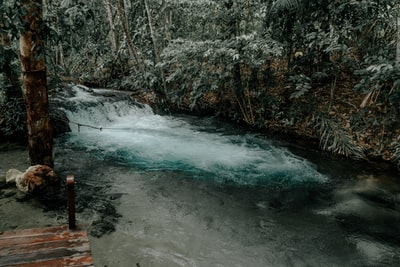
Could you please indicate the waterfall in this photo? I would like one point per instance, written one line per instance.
(122, 130)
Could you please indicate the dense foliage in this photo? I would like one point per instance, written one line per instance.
(325, 69)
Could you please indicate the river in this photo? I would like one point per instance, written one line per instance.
(187, 191)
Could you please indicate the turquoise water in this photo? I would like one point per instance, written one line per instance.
(199, 192)
(137, 137)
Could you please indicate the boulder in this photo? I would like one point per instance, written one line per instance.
(59, 121)
(35, 178)
(12, 174)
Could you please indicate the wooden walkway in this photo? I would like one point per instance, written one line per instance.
(52, 246)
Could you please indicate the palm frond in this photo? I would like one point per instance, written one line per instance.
(290, 5)
(335, 139)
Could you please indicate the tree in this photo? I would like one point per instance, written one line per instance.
(133, 51)
(162, 91)
(398, 41)
(113, 33)
(40, 138)
(8, 56)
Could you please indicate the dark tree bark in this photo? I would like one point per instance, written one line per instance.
(14, 89)
(40, 133)
(398, 41)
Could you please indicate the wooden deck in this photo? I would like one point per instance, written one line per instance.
(52, 246)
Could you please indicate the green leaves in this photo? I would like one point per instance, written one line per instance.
(199, 67)
(10, 14)
(66, 3)
(301, 83)
(379, 76)
(290, 5)
(76, 15)
(12, 117)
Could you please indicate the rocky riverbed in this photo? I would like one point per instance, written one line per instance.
(19, 210)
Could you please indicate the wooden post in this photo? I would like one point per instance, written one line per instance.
(71, 201)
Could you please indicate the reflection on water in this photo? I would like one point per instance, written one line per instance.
(193, 192)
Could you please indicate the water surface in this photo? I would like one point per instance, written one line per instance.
(187, 191)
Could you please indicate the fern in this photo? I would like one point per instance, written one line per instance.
(335, 139)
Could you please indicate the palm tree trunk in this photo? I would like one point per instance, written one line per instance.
(40, 138)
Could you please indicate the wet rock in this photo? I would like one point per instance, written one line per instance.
(106, 223)
(382, 229)
(9, 194)
(12, 174)
(35, 178)
(102, 226)
(3, 184)
(21, 196)
(59, 121)
(381, 199)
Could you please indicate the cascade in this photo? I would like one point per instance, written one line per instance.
(133, 134)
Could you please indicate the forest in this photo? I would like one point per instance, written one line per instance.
(325, 71)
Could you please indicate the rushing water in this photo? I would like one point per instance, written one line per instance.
(197, 192)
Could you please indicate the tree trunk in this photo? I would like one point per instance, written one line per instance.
(163, 91)
(113, 35)
(398, 41)
(167, 23)
(14, 89)
(125, 27)
(59, 50)
(40, 138)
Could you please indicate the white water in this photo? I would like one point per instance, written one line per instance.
(197, 194)
(136, 136)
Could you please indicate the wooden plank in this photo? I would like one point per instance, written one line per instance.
(76, 261)
(53, 246)
(39, 235)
